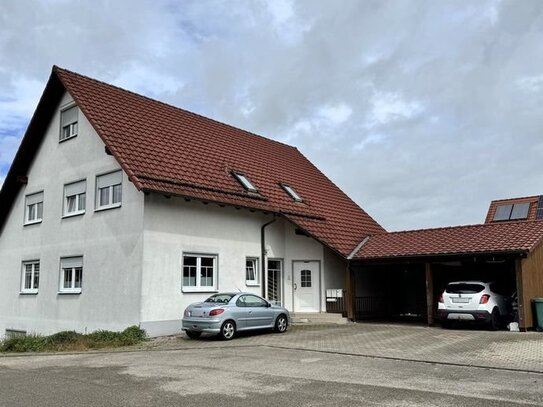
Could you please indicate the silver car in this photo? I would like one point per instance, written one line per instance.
(228, 313)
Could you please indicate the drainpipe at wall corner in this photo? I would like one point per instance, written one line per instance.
(263, 255)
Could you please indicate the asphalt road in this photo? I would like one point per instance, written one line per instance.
(255, 376)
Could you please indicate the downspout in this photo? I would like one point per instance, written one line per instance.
(263, 254)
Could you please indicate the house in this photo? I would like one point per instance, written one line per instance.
(122, 210)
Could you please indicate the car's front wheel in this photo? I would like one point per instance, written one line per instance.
(193, 334)
(281, 323)
(228, 330)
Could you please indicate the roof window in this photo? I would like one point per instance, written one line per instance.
(512, 211)
(244, 181)
(293, 194)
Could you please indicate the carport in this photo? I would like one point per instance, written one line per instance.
(400, 275)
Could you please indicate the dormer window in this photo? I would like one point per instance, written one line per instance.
(293, 194)
(512, 211)
(68, 123)
(244, 181)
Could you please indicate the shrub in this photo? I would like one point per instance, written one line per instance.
(71, 340)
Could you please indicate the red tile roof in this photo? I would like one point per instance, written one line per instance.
(169, 150)
(474, 239)
(532, 211)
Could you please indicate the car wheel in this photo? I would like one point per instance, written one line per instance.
(228, 330)
(193, 334)
(495, 320)
(281, 323)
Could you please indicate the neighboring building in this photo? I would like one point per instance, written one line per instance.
(121, 210)
(515, 209)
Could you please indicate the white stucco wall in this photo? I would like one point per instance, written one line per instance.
(110, 242)
(174, 226)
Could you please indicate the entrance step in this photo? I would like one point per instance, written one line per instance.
(317, 318)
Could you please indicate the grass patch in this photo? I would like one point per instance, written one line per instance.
(73, 341)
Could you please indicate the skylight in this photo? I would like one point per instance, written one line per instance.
(245, 182)
(293, 194)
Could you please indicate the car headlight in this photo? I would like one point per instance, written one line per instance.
(187, 313)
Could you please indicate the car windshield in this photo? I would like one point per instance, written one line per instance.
(220, 298)
(464, 288)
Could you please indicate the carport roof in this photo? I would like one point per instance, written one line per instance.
(514, 237)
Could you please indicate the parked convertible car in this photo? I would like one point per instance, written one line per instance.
(474, 301)
(228, 313)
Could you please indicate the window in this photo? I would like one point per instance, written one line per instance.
(275, 268)
(71, 274)
(305, 276)
(249, 300)
(68, 123)
(251, 271)
(293, 194)
(199, 272)
(109, 190)
(34, 208)
(74, 198)
(512, 211)
(245, 182)
(31, 277)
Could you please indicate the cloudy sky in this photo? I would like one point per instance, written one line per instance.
(421, 111)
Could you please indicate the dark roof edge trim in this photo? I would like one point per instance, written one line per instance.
(519, 252)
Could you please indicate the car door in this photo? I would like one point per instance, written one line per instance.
(259, 313)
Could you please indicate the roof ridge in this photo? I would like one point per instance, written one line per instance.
(57, 68)
(476, 225)
(514, 199)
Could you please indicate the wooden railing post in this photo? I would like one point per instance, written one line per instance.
(429, 293)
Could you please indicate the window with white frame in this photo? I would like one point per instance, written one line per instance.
(245, 181)
(68, 123)
(199, 272)
(292, 192)
(34, 208)
(109, 190)
(31, 277)
(251, 271)
(71, 274)
(74, 198)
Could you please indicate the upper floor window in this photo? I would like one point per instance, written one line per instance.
(34, 208)
(68, 123)
(245, 182)
(71, 275)
(512, 211)
(74, 198)
(199, 272)
(109, 190)
(31, 277)
(293, 194)
(251, 271)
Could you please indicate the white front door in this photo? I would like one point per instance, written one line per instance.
(306, 286)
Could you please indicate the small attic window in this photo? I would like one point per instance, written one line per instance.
(244, 181)
(293, 194)
(512, 211)
(68, 123)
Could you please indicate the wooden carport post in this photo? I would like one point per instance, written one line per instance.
(349, 294)
(429, 293)
(520, 295)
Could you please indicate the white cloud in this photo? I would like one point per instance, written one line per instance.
(336, 114)
(428, 115)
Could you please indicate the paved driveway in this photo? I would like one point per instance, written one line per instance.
(501, 350)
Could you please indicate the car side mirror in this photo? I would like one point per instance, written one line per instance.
(268, 305)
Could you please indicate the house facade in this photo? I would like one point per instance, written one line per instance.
(105, 225)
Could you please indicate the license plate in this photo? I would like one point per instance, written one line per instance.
(460, 300)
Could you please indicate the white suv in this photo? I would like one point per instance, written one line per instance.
(474, 301)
